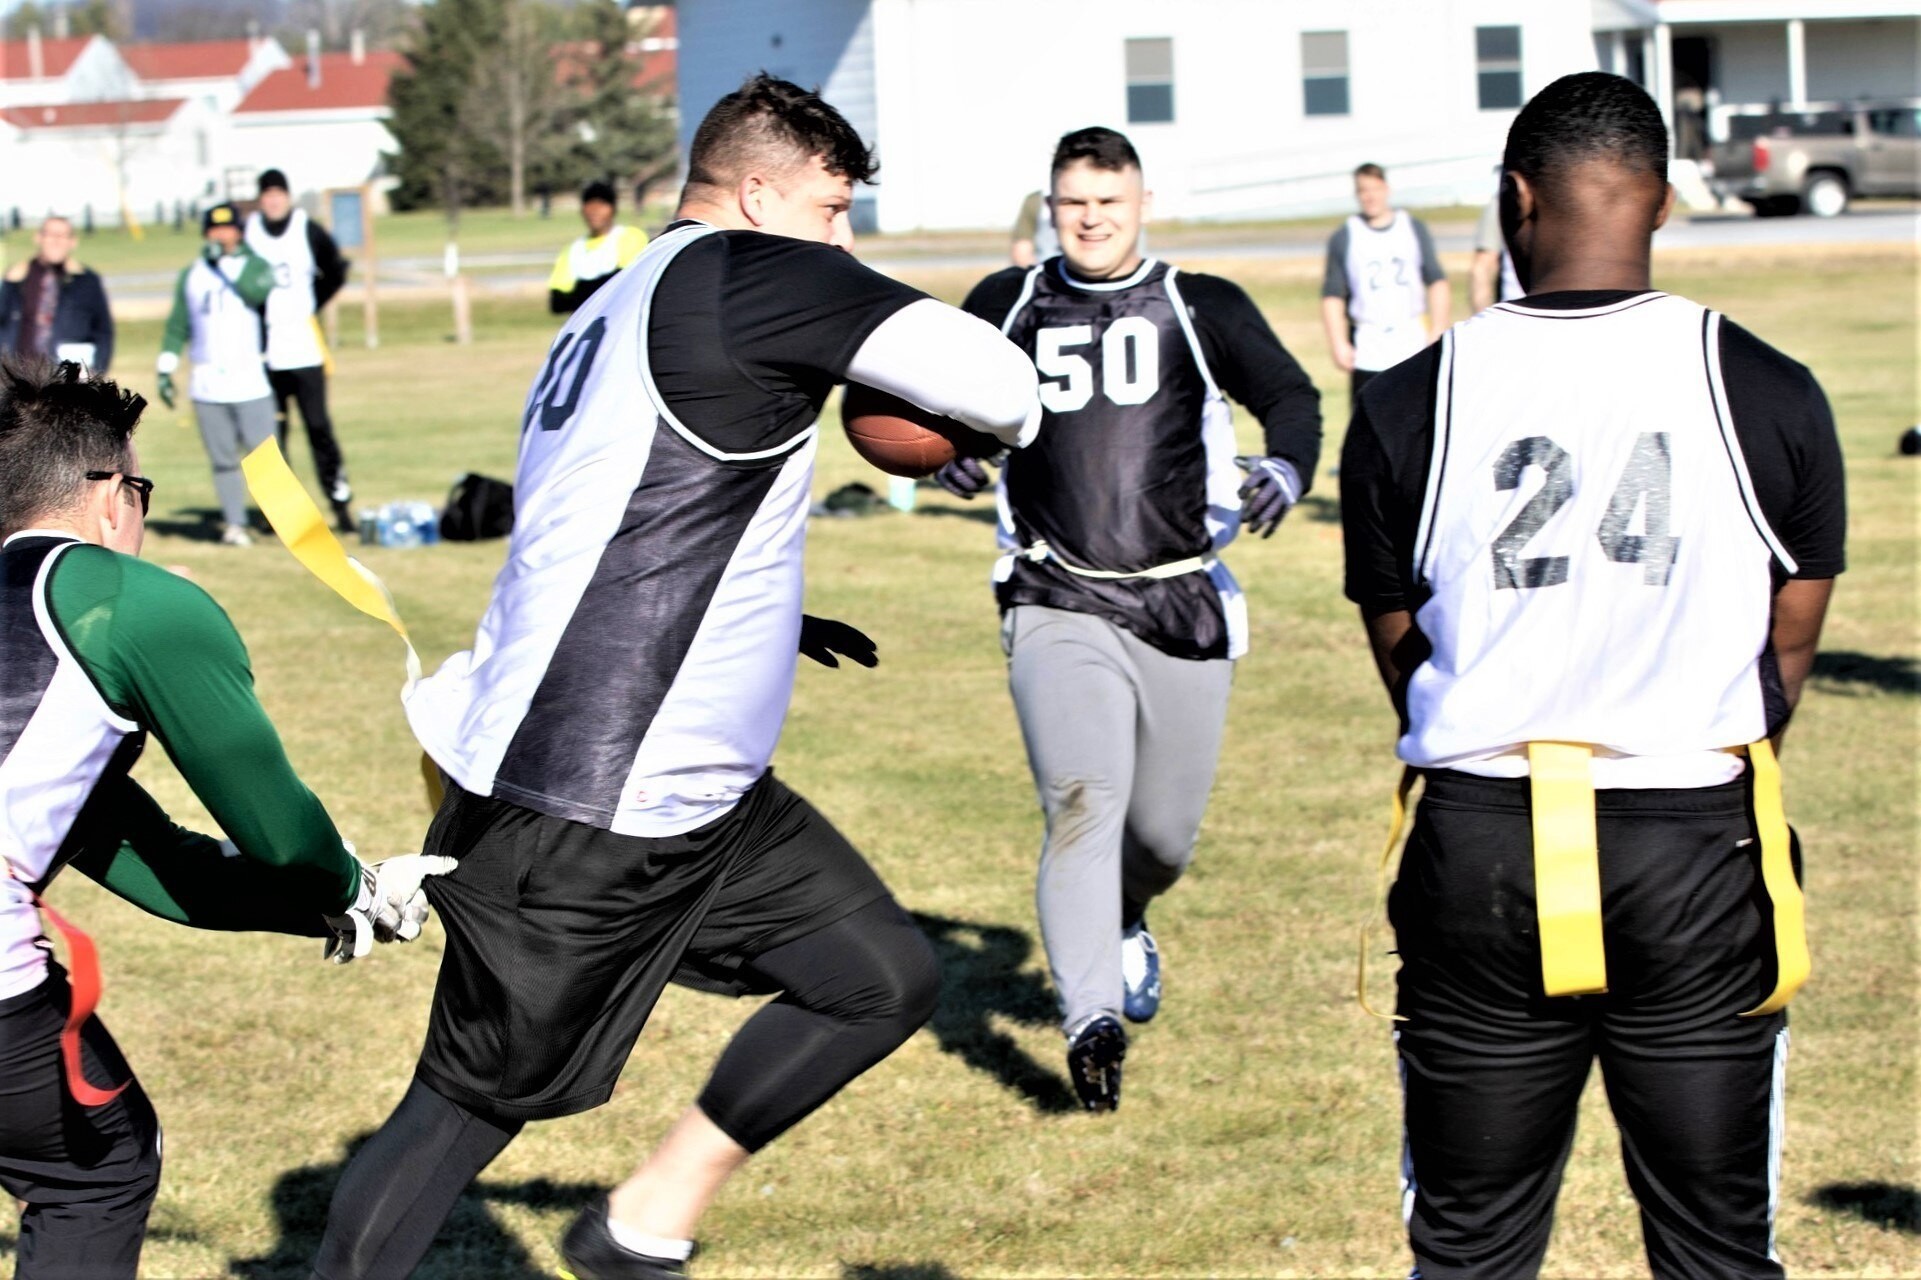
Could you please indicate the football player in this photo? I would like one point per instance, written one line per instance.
(1384, 294)
(1120, 622)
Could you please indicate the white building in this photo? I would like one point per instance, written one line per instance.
(105, 159)
(322, 120)
(217, 72)
(1240, 108)
(56, 69)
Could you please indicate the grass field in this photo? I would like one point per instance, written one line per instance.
(1260, 1133)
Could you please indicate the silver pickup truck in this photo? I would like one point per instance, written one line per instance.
(1816, 161)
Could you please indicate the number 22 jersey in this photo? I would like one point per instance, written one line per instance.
(1587, 502)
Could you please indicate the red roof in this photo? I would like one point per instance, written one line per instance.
(199, 60)
(92, 115)
(344, 84)
(56, 56)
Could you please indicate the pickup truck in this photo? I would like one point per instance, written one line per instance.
(1816, 161)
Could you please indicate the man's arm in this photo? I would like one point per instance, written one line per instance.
(330, 269)
(179, 328)
(255, 280)
(1398, 648)
(1020, 250)
(1334, 291)
(1800, 607)
(954, 365)
(562, 288)
(164, 654)
(1253, 368)
(1483, 277)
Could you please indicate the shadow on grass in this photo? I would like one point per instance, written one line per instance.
(196, 524)
(1318, 509)
(1858, 671)
(471, 1245)
(979, 514)
(981, 977)
(895, 1271)
(1884, 1204)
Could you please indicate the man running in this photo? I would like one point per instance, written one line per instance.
(1593, 534)
(606, 740)
(1120, 624)
(99, 649)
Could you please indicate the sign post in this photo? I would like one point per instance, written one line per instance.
(351, 213)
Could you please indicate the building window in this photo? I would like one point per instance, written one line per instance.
(1324, 72)
(1150, 81)
(1497, 59)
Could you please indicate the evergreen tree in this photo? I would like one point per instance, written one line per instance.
(449, 155)
(621, 133)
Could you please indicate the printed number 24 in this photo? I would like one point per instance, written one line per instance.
(571, 361)
(1648, 478)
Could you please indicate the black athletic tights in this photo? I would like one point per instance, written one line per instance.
(854, 991)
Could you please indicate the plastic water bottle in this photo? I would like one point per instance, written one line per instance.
(397, 527)
(426, 522)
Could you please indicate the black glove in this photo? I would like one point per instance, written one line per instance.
(166, 389)
(822, 638)
(963, 477)
(1270, 491)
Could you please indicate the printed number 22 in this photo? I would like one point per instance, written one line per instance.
(572, 356)
(1648, 479)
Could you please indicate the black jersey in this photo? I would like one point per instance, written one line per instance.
(1133, 474)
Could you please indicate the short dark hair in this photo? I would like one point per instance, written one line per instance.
(1370, 170)
(600, 190)
(55, 426)
(777, 124)
(1587, 116)
(1101, 147)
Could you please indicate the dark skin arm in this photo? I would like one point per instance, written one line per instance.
(1800, 606)
(1398, 647)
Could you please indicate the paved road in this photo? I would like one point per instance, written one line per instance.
(516, 273)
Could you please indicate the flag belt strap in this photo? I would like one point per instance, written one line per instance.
(1567, 873)
(84, 986)
(1172, 569)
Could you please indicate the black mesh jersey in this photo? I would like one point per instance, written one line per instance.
(1134, 469)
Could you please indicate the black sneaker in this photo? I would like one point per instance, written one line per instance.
(1094, 1063)
(590, 1252)
(344, 518)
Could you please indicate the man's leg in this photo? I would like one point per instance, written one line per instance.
(87, 1175)
(400, 1187)
(282, 382)
(1492, 1070)
(1077, 707)
(1183, 710)
(1695, 1087)
(852, 993)
(220, 434)
(310, 388)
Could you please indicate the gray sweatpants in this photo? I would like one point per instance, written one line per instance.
(230, 432)
(1123, 740)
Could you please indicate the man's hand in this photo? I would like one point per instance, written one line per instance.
(403, 903)
(353, 929)
(1344, 356)
(822, 638)
(166, 390)
(1270, 491)
(964, 478)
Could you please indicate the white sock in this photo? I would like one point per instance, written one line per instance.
(652, 1246)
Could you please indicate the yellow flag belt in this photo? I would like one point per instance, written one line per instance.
(1567, 873)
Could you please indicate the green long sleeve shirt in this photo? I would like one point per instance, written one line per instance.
(164, 655)
(253, 284)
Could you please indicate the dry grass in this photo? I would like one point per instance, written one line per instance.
(1260, 1134)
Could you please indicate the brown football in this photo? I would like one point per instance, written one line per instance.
(903, 439)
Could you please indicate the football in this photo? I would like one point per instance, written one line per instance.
(903, 439)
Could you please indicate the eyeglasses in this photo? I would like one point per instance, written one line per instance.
(139, 484)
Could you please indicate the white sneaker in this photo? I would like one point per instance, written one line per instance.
(235, 536)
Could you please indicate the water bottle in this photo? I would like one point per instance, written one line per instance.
(397, 527)
(426, 522)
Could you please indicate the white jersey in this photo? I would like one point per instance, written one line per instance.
(1597, 560)
(1387, 298)
(635, 663)
(225, 349)
(292, 341)
(58, 740)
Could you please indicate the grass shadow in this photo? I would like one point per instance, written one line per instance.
(895, 1271)
(1886, 1205)
(1856, 671)
(470, 1244)
(196, 524)
(979, 515)
(982, 977)
(1318, 509)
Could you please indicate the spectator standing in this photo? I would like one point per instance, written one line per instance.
(1491, 278)
(595, 258)
(307, 272)
(52, 306)
(1383, 278)
(219, 317)
(1034, 239)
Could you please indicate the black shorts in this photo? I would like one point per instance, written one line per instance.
(561, 936)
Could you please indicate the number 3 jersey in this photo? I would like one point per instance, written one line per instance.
(1609, 491)
(1119, 506)
(633, 668)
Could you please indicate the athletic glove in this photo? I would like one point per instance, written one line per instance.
(351, 933)
(964, 478)
(166, 389)
(389, 906)
(165, 367)
(822, 638)
(1270, 491)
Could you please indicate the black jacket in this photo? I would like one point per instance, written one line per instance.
(80, 316)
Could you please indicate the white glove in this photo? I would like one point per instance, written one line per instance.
(402, 902)
(352, 931)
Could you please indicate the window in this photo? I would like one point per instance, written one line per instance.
(1150, 81)
(1895, 122)
(1324, 72)
(1497, 59)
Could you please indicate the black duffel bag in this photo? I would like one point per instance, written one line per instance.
(477, 507)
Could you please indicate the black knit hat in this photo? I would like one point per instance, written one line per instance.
(274, 179)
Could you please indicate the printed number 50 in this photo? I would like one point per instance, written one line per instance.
(1130, 364)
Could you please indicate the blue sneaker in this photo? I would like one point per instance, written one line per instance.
(1094, 1054)
(1140, 973)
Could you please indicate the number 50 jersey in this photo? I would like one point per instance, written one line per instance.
(1595, 559)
